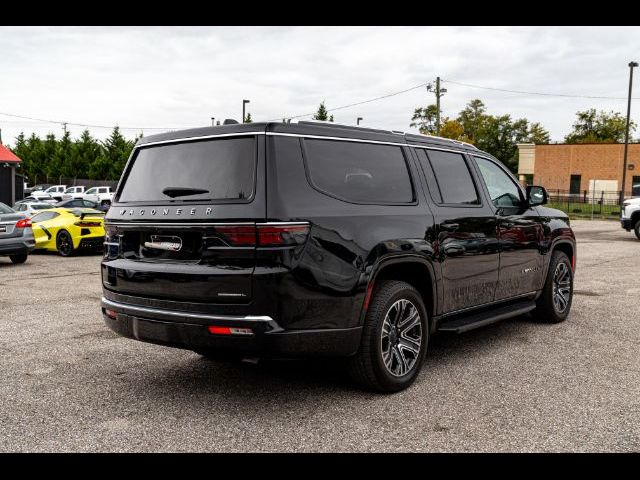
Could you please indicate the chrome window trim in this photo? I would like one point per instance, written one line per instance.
(300, 135)
(201, 137)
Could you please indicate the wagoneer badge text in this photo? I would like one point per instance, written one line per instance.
(163, 211)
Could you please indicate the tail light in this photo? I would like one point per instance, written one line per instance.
(281, 235)
(238, 235)
(24, 223)
(266, 234)
(87, 224)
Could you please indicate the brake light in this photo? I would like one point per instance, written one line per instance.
(238, 235)
(85, 224)
(282, 235)
(264, 235)
(24, 223)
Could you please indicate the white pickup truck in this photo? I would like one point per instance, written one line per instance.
(75, 192)
(55, 192)
(101, 195)
(630, 215)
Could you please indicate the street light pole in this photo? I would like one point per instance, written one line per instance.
(244, 102)
(626, 134)
(358, 120)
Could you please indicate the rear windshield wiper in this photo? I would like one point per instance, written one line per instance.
(174, 192)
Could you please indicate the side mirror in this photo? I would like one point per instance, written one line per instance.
(537, 195)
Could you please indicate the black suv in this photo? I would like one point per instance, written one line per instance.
(275, 239)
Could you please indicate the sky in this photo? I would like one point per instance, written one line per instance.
(152, 79)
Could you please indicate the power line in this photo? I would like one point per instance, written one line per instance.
(544, 94)
(89, 125)
(353, 104)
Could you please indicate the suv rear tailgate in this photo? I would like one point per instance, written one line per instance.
(176, 248)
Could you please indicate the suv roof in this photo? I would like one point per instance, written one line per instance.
(325, 129)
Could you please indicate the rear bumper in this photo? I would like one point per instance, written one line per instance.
(190, 330)
(17, 245)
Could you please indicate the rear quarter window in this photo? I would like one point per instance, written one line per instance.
(358, 172)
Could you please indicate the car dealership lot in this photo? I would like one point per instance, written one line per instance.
(70, 384)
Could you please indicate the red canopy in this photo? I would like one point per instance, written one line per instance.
(7, 155)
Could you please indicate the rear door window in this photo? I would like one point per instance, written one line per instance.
(218, 170)
(453, 178)
(359, 172)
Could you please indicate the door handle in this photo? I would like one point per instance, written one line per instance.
(449, 227)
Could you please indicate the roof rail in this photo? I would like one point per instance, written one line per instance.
(459, 142)
(342, 125)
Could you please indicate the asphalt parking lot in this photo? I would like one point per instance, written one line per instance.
(70, 384)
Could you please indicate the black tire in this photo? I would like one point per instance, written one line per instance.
(547, 309)
(64, 244)
(636, 229)
(219, 355)
(19, 258)
(371, 367)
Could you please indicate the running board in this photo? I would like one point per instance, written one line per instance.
(464, 323)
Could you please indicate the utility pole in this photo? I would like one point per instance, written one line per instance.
(358, 120)
(64, 127)
(439, 91)
(632, 65)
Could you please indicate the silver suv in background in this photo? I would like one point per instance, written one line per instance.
(16, 235)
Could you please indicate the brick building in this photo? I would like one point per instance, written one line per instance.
(579, 168)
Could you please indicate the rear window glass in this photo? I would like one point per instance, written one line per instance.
(221, 169)
(44, 216)
(359, 172)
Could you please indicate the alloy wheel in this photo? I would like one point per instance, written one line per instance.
(401, 337)
(561, 287)
(65, 247)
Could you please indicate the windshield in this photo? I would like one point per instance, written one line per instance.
(221, 169)
(91, 190)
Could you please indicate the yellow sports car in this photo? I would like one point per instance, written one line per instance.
(67, 230)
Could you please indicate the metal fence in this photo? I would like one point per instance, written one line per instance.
(588, 203)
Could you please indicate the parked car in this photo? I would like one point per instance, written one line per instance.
(75, 192)
(16, 236)
(31, 208)
(41, 187)
(313, 239)
(81, 203)
(67, 231)
(630, 215)
(56, 192)
(101, 195)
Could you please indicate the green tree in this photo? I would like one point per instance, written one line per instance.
(425, 119)
(538, 134)
(248, 118)
(62, 158)
(116, 151)
(322, 114)
(598, 127)
(473, 119)
(48, 158)
(453, 129)
(86, 151)
(499, 136)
